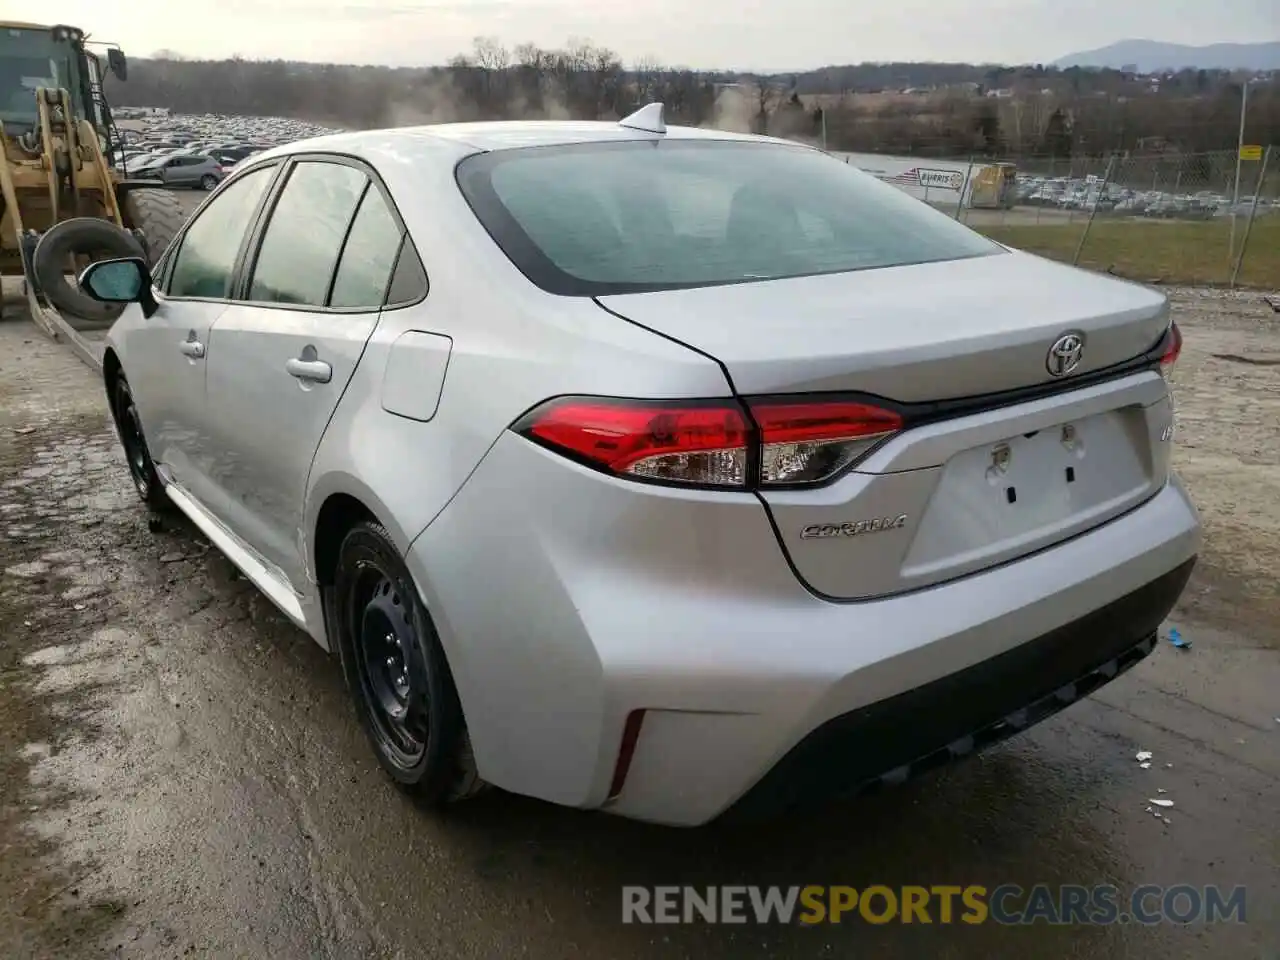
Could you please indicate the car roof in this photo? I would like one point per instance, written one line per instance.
(462, 139)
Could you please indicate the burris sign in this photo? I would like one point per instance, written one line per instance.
(941, 179)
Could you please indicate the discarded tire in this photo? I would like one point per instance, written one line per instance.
(89, 236)
(158, 214)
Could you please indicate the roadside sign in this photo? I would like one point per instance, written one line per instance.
(1251, 152)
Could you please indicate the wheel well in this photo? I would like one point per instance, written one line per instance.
(338, 514)
(110, 374)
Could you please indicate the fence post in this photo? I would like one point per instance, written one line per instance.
(964, 186)
(1253, 213)
(1093, 211)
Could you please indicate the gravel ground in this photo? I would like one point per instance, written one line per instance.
(181, 773)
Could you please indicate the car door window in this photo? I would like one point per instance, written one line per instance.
(368, 255)
(304, 235)
(207, 257)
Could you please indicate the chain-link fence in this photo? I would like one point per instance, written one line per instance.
(1180, 218)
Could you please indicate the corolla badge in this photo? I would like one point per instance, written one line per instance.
(853, 528)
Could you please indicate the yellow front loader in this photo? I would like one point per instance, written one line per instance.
(62, 202)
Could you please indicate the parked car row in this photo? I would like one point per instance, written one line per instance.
(1088, 194)
(198, 151)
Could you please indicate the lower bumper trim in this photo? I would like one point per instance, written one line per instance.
(894, 740)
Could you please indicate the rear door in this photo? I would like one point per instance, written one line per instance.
(285, 351)
(176, 172)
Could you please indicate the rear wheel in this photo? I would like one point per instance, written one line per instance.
(396, 671)
(208, 181)
(141, 467)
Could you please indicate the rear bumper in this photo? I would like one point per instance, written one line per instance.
(892, 740)
(567, 600)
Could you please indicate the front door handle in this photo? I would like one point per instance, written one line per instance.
(314, 370)
(192, 348)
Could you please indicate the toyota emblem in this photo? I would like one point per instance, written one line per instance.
(1065, 354)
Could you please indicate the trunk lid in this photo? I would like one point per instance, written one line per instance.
(933, 331)
(947, 497)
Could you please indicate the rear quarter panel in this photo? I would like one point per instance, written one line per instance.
(513, 346)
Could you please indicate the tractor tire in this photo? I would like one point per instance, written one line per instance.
(158, 214)
(101, 240)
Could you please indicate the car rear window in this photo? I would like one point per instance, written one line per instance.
(626, 217)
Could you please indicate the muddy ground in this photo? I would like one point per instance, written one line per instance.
(181, 773)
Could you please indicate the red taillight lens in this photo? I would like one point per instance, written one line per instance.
(698, 442)
(808, 442)
(712, 442)
(1172, 350)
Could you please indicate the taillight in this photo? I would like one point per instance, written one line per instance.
(1172, 349)
(808, 442)
(679, 442)
(713, 443)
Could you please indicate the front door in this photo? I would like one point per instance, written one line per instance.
(282, 357)
(166, 355)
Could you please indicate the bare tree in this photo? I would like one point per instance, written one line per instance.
(648, 74)
(768, 92)
(489, 54)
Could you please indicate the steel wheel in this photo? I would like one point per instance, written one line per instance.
(393, 676)
(396, 670)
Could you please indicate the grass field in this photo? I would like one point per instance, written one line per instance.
(1169, 251)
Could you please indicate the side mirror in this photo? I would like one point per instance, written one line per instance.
(126, 280)
(117, 63)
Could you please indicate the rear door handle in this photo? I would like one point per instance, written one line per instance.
(315, 370)
(192, 348)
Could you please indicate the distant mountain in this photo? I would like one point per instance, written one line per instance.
(1150, 56)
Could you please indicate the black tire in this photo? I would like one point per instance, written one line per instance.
(158, 214)
(141, 467)
(208, 182)
(99, 239)
(397, 673)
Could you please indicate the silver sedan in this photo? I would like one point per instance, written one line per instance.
(663, 471)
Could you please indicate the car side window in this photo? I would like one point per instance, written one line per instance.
(409, 282)
(207, 257)
(304, 236)
(368, 256)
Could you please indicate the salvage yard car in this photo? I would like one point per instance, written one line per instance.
(669, 472)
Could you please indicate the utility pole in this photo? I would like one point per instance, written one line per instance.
(1235, 194)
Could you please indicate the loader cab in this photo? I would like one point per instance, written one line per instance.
(34, 56)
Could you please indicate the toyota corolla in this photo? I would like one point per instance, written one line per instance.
(663, 471)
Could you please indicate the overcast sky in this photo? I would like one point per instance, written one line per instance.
(795, 34)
